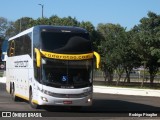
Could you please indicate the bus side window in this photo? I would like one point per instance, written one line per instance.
(36, 70)
(11, 49)
(27, 44)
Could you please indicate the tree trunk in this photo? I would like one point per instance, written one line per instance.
(152, 71)
(110, 77)
(119, 72)
(105, 75)
(151, 79)
(118, 80)
(108, 74)
(128, 71)
(128, 77)
(144, 67)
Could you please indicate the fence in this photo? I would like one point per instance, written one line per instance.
(135, 76)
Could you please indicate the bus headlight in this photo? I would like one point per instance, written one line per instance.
(44, 99)
(89, 100)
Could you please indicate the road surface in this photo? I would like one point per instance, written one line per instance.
(104, 106)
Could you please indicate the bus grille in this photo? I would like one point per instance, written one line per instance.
(58, 95)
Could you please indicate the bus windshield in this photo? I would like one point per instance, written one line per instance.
(66, 74)
(66, 42)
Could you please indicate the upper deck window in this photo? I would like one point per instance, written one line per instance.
(66, 42)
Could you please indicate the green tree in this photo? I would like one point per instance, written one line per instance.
(149, 42)
(55, 20)
(88, 26)
(4, 26)
(130, 56)
(69, 21)
(66, 21)
(19, 25)
(10, 31)
(111, 47)
(94, 35)
(42, 21)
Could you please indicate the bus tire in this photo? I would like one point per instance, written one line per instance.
(14, 97)
(10, 89)
(33, 105)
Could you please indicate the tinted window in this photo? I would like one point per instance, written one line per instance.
(11, 48)
(20, 46)
(61, 73)
(66, 42)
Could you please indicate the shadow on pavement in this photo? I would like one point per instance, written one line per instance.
(108, 106)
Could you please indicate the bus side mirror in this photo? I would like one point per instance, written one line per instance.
(38, 57)
(97, 59)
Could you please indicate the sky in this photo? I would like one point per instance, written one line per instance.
(127, 13)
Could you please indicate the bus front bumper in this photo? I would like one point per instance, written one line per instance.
(50, 100)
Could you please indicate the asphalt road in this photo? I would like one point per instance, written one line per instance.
(104, 106)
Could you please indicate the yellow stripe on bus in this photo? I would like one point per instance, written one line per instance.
(23, 97)
(35, 102)
(67, 56)
(26, 98)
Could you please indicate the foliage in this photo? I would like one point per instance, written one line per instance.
(149, 42)
(120, 50)
(4, 26)
(111, 47)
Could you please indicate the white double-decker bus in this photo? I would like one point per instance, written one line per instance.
(51, 65)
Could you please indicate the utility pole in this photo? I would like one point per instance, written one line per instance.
(42, 9)
(20, 24)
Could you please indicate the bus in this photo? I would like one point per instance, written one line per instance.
(51, 65)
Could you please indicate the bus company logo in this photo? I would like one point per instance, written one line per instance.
(67, 56)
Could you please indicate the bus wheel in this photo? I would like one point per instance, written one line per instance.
(33, 105)
(14, 97)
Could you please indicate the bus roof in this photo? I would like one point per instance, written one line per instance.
(51, 28)
(60, 28)
(22, 33)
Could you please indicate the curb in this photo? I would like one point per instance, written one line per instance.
(126, 91)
